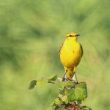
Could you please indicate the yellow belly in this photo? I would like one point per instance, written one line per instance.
(70, 54)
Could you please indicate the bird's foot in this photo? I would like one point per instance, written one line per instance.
(64, 79)
(75, 81)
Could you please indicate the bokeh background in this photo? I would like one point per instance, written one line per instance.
(31, 32)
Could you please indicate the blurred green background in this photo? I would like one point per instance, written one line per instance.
(31, 32)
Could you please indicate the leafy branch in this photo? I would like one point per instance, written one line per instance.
(70, 96)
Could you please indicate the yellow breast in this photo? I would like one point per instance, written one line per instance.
(70, 53)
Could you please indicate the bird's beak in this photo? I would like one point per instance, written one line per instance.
(77, 35)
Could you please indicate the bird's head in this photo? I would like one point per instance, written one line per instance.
(73, 35)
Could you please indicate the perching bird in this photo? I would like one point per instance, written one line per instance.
(70, 55)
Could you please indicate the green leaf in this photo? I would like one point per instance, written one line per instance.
(63, 98)
(78, 93)
(71, 95)
(32, 84)
(85, 108)
(57, 102)
(52, 79)
(68, 84)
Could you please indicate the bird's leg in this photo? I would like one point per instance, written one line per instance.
(75, 78)
(74, 75)
(68, 74)
(64, 76)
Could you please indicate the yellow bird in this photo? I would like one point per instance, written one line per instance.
(70, 55)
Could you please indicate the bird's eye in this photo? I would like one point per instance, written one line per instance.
(70, 35)
(77, 35)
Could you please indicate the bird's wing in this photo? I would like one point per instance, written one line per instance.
(81, 50)
(60, 47)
